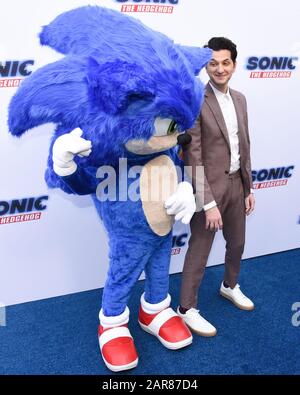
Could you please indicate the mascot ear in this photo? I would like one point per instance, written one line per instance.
(115, 86)
(198, 57)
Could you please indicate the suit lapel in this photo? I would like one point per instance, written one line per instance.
(239, 110)
(213, 104)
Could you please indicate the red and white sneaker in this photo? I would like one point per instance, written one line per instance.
(165, 324)
(116, 344)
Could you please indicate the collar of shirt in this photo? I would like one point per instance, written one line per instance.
(220, 95)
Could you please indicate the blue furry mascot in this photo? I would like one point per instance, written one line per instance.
(122, 91)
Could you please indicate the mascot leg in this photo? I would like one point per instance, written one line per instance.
(127, 261)
(116, 343)
(155, 315)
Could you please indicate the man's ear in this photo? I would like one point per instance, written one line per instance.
(113, 86)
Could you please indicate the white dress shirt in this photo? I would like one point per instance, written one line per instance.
(229, 115)
(230, 118)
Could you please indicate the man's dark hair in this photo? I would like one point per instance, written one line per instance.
(219, 43)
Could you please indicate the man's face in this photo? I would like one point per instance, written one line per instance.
(220, 68)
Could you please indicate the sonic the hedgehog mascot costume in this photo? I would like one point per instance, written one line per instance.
(122, 91)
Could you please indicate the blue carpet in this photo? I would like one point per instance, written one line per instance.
(58, 335)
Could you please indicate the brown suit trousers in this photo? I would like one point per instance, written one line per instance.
(210, 148)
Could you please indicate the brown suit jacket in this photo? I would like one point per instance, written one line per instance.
(210, 146)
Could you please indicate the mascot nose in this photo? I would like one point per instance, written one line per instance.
(184, 139)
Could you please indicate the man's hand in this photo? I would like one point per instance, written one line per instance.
(182, 203)
(249, 204)
(65, 148)
(213, 219)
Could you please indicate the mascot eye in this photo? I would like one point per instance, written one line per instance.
(172, 128)
(164, 126)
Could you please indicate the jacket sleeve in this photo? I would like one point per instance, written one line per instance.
(193, 162)
(248, 161)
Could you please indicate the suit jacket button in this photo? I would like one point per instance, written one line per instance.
(226, 172)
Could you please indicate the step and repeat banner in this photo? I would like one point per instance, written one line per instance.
(54, 244)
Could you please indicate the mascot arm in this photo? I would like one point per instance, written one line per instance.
(65, 148)
(78, 180)
(79, 183)
(176, 155)
(182, 203)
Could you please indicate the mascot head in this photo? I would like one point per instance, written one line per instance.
(128, 88)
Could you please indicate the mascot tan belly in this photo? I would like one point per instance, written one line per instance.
(158, 182)
(158, 179)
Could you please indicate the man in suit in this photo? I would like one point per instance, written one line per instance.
(221, 144)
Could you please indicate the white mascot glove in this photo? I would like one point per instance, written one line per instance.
(182, 203)
(65, 148)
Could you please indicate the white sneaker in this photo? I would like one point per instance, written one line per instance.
(197, 323)
(237, 297)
